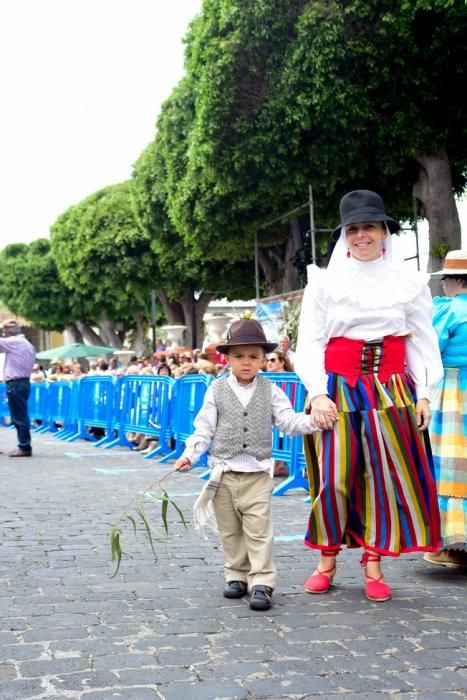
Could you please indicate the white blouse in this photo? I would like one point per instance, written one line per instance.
(369, 301)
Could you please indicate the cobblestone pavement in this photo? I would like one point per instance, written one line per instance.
(69, 630)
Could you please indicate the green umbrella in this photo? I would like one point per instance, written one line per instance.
(75, 350)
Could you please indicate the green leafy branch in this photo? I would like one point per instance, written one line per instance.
(136, 506)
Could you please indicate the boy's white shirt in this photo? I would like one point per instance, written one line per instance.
(283, 417)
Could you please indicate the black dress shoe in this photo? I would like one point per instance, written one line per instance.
(260, 598)
(20, 453)
(235, 589)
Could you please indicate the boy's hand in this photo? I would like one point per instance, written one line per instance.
(182, 464)
(323, 412)
(322, 420)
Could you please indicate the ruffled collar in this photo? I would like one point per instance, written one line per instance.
(376, 284)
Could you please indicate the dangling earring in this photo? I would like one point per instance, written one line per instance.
(348, 253)
(383, 250)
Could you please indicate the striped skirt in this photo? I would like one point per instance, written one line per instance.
(371, 478)
(448, 430)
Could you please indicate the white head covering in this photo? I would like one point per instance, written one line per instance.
(376, 284)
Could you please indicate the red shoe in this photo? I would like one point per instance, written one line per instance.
(375, 588)
(320, 582)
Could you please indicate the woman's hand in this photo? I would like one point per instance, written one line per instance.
(182, 464)
(422, 410)
(323, 412)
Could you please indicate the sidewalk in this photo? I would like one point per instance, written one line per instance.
(69, 630)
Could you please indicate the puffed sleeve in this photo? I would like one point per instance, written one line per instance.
(443, 320)
(422, 352)
(309, 357)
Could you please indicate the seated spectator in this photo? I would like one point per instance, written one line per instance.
(37, 374)
(278, 361)
(164, 370)
(113, 365)
(55, 372)
(207, 368)
(77, 372)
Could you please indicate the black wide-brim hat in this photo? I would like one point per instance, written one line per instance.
(363, 205)
(247, 331)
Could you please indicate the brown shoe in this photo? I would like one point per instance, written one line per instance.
(20, 453)
(450, 558)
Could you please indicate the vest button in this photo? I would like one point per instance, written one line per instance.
(245, 414)
(245, 430)
(245, 446)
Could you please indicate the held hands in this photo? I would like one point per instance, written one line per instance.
(182, 464)
(423, 413)
(323, 412)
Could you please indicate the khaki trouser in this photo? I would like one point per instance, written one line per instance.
(243, 513)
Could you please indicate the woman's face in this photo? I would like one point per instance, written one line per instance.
(365, 240)
(451, 286)
(275, 364)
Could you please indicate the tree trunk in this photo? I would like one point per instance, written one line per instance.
(137, 344)
(434, 190)
(74, 334)
(89, 334)
(108, 332)
(201, 308)
(280, 274)
(173, 309)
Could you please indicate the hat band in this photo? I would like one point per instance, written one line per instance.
(455, 264)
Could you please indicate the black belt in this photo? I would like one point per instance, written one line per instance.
(16, 379)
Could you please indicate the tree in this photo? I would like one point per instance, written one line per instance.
(30, 287)
(103, 255)
(186, 281)
(342, 94)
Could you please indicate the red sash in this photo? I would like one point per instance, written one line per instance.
(352, 358)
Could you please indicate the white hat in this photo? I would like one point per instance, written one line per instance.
(455, 263)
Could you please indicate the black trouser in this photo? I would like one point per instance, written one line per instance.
(18, 394)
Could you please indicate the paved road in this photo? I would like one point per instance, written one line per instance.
(69, 630)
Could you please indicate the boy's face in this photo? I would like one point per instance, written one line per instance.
(245, 362)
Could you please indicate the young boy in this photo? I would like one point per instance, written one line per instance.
(235, 423)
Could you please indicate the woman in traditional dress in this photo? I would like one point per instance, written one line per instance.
(448, 427)
(367, 354)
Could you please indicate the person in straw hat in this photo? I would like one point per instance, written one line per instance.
(235, 424)
(367, 349)
(448, 427)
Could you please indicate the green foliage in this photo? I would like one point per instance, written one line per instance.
(181, 266)
(440, 251)
(279, 94)
(136, 506)
(30, 285)
(103, 254)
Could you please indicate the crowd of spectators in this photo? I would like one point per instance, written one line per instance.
(167, 362)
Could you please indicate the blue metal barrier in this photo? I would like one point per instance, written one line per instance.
(188, 399)
(38, 404)
(285, 448)
(144, 406)
(95, 408)
(58, 406)
(4, 408)
(71, 424)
